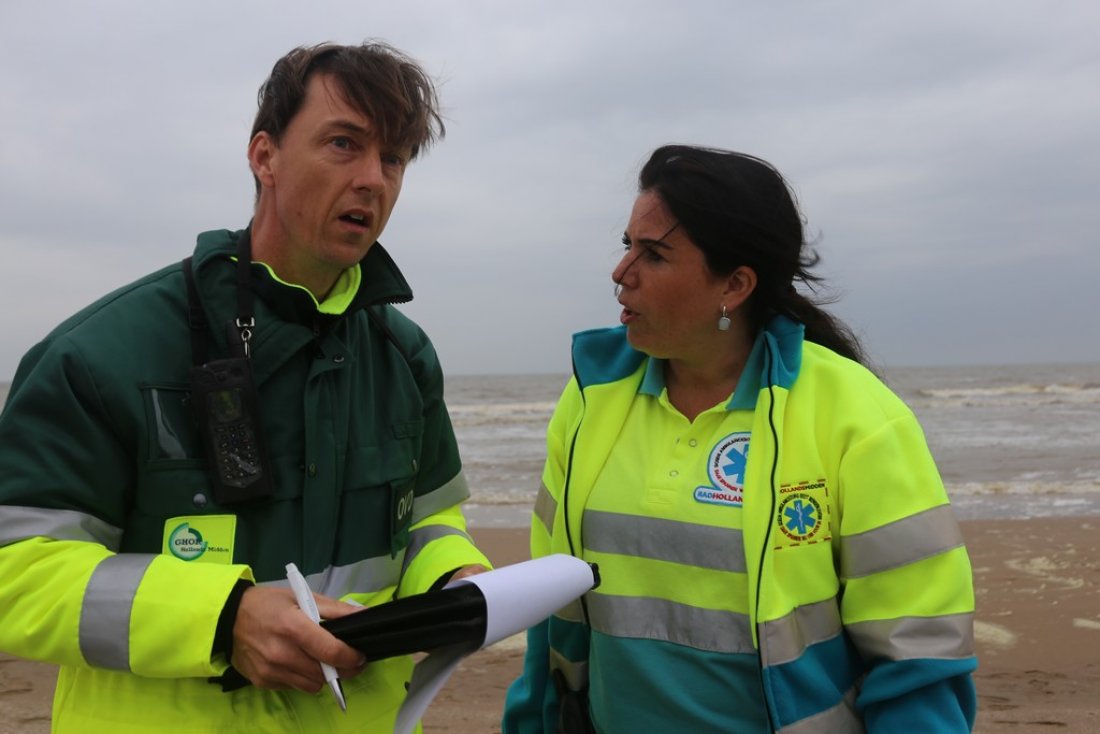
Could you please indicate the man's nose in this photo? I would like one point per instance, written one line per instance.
(368, 174)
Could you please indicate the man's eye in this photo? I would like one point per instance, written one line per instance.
(342, 142)
(393, 159)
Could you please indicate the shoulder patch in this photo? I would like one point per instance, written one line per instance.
(802, 514)
(201, 538)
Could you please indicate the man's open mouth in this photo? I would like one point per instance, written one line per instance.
(355, 219)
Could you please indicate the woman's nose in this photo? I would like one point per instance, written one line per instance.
(622, 270)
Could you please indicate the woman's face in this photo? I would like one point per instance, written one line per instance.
(671, 300)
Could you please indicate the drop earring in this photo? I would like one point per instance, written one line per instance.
(723, 321)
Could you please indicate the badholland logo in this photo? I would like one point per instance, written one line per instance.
(201, 538)
(726, 471)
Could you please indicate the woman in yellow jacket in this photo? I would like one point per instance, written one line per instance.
(776, 547)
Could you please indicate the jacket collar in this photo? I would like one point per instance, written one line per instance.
(381, 280)
(775, 360)
(604, 355)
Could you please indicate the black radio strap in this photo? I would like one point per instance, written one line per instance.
(224, 398)
(246, 324)
(196, 317)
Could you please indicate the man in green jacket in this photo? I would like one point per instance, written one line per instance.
(150, 499)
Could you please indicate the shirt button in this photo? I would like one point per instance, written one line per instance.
(338, 358)
(199, 500)
(312, 470)
(674, 473)
(693, 443)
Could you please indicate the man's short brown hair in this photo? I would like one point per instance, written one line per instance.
(378, 80)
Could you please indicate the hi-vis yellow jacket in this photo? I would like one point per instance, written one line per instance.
(115, 558)
(860, 591)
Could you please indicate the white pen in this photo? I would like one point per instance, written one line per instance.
(304, 595)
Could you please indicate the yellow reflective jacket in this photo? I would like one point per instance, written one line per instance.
(861, 590)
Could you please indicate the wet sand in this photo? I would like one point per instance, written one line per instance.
(1037, 629)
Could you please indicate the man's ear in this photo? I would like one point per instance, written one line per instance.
(262, 152)
(739, 286)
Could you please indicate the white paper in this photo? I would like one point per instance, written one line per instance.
(516, 597)
(523, 594)
(428, 678)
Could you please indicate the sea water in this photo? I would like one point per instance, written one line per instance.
(1009, 440)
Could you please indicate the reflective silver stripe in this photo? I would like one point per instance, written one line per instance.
(422, 536)
(105, 614)
(362, 577)
(19, 523)
(703, 546)
(449, 494)
(840, 719)
(576, 674)
(546, 507)
(950, 636)
(572, 612)
(899, 543)
(659, 619)
(786, 638)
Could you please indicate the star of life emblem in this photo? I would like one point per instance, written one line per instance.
(726, 471)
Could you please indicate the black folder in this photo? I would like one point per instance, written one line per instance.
(418, 623)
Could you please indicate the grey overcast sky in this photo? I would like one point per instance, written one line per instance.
(946, 156)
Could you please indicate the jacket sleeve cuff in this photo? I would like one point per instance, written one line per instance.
(223, 634)
(900, 703)
(175, 617)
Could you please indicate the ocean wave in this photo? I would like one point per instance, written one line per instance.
(498, 498)
(1026, 487)
(1021, 394)
(477, 414)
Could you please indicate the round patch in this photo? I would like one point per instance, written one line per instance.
(186, 542)
(726, 471)
(799, 516)
(726, 465)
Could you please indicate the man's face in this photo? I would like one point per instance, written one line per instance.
(328, 187)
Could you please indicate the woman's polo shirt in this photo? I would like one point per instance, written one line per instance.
(670, 619)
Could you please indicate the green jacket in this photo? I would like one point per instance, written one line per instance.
(861, 598)
(117, 561)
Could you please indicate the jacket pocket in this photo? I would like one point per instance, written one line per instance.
(380, 487)
(171, 441)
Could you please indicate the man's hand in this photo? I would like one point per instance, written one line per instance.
(276, 646)
(465, 571)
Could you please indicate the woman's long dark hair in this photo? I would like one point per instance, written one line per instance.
(739, 211)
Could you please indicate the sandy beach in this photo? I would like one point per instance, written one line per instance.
(1038, 637)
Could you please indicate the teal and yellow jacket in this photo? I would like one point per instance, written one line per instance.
(860, 609)
(115, 558)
